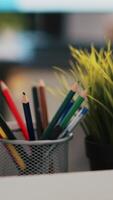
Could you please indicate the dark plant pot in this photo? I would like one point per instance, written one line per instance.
(100, 155)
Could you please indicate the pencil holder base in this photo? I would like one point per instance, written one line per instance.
(20, 157)
(100, 155)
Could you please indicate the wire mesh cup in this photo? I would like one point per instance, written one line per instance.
(20, 157)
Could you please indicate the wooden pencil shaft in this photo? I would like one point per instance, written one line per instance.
(72, 125)
(37, 113)
(20, 169)
(13, 108)
(11, 136)
(13, 151)
(57, 115)
(29, 122)
(56, 132)
(71, 112)
(43, 106)
(66, 131)
(69, 105)
(35, 95)
(17, 157)
(6, 129)
(74, 122)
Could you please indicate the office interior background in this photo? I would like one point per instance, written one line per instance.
(33, 41)
(31, 44)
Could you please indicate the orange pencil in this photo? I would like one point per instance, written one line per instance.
(6, 93)
(43, 104)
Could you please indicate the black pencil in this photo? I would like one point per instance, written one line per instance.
(28, 116)
(11, 136)
(37, 112)
(6, 129)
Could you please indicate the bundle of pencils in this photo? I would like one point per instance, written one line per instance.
(60, 121)
(67, 117)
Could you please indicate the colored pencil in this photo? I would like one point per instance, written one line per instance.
(73, 109)
(47, 133)
(38, 120)
(11, 136)
(56, 132)
(72, 125)
(43, 104)
(80, 115)
(13, 152)
(6, 129)
(28, 117)
(69, 105)
(6, 93)
(75, 121)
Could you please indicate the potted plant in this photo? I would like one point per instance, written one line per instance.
(94, 70)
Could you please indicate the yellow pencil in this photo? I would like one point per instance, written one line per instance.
(13, 151)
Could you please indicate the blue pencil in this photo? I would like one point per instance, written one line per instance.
(69, 105)
(28, 117)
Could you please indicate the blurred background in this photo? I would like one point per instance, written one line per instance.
(35, 36)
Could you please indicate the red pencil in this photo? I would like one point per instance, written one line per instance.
(13, 108)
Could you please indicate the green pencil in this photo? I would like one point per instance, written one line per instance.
(47, 133)
(73, 109)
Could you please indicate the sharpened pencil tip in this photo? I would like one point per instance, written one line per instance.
(41, 83)
(24, 98)
(84, 93)
(3, 86)
(74, 87)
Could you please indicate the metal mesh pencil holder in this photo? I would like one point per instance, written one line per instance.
(20, 157)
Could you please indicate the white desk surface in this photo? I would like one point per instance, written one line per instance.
(70, 186)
